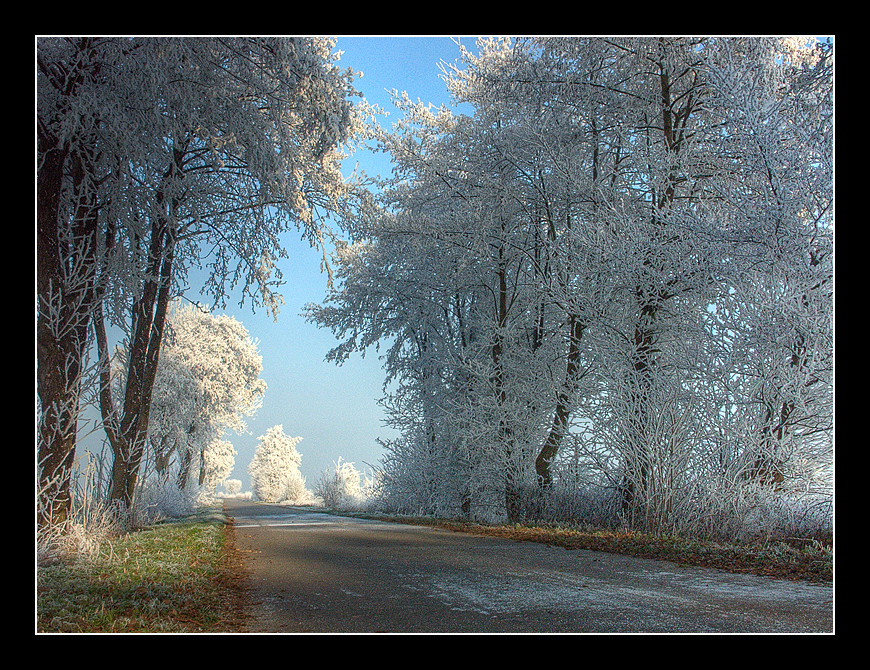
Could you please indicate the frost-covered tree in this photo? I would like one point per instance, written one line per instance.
(157, 155)
(447, 279)
(274, 470)
(484, 281)
(603, 255)
(208, 382)
(218, 461)
(777, 305)
(233, 486)
(73, 176)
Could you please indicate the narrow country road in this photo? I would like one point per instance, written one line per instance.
(311, 572)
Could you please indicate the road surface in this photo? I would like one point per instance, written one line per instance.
(311, 572)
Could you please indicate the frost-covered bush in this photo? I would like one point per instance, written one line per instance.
(298, 492)
(344, 487)
(758, 514)
(233, 489)
(160, 498)
(274, 470)
(91, 519)
(571, 505)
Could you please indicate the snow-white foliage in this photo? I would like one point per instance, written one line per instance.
(219, 459)
(208, 382)
(611, 286)
(244, 136)
(232, 486)
(344, 487)
(274, 470)
(233, 489)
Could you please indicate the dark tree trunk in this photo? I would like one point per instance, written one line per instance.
(562, 411)
(149, 319)
(128, 431)
(57, 419)
(66, 275)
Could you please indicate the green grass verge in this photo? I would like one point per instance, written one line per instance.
(174, 577)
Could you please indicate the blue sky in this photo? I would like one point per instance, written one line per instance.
(334, 408)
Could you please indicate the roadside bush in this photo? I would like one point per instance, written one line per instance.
(344, 487)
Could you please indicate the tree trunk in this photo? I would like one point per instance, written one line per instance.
(128, 433)
(512, 490)
(184, 463)
(57, 416)
(66, 276)
(562, 413)
(637, 468)
(144, 354)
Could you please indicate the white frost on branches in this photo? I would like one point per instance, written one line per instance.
(157, 156)
(219, 458)
(208, 382)
(612, 282)
(274, 470)
(344, 487)
(233, 486)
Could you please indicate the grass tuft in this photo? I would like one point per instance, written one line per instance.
(173, 577)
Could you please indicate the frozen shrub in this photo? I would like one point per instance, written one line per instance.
(161, 498)
(91, 520)
(343, 488)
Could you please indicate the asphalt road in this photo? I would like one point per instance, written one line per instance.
(311, 572)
